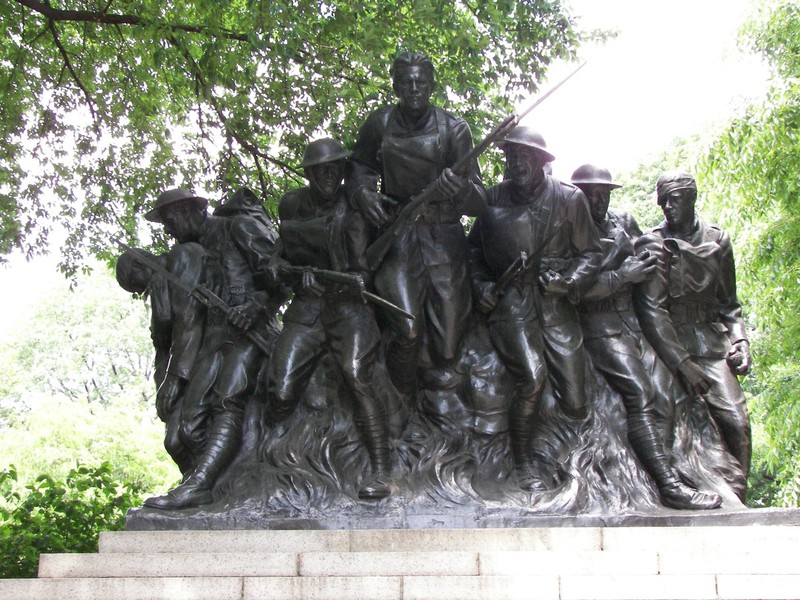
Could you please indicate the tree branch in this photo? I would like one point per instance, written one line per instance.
(205, 91)
(83, 16)
(68, 63)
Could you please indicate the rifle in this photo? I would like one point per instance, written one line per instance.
(380, 247)
(524, 263)
(200, 293)
(349, 279)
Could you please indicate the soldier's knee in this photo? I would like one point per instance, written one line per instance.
(281, 400)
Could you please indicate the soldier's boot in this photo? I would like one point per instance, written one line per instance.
(401, 363)
(221, 448)
(646, 441)
(376, 439)
(529, 476)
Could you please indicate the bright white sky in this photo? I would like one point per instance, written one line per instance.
(672, 71)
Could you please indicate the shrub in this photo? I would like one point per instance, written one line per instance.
(59, 516)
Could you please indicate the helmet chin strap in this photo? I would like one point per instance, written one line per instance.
(318, 191)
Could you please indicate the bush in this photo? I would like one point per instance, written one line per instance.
(59, 516)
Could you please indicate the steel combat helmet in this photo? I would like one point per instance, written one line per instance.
(322, 151)
(526, 136)
(593, 175)
(169, 198)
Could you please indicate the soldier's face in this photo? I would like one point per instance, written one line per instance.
(140, 277)
(327, 177)
(523, 164)
(599, 198)
(413, 88)
(179, 223)
(678, 208)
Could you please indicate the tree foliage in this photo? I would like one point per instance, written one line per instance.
(59, 515)
(751, 171)
(70, 346)
(106, 103)
(76, 384)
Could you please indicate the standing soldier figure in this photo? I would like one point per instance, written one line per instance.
(321, 235)
(407, 147)
(536, 250)
(614, 339)
(690, 313)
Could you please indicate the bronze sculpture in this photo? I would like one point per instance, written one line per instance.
(224, 376)
(320, 233)
(690, 312)
(532, 321)
(503, 327)
(177, 327)
(615, 342)
(406, 147)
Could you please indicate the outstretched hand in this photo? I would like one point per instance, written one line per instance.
(373, 205)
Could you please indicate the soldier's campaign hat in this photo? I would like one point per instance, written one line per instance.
(526, 136)
(169, 198)
(322, 151)
(592, 175)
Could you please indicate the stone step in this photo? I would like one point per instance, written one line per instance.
(356, 564)
(716, 538)
(719, 562)
(366, 540)
(338, 564)
(526, 587)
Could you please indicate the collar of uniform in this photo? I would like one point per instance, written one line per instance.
(416, 125)
(688, 235)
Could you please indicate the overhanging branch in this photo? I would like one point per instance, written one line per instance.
(104, 18)
(68, 63)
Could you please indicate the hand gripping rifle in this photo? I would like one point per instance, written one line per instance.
(380, 247)
(200, 293)
(523, 264)
(349, 279)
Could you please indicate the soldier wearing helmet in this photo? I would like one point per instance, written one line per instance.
(319, 230)
(533, 321)
(406, 147)
(614, 340)
(691, 314)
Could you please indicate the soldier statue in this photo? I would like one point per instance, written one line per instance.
(536, 250)
(691, 314)
(615, 342)
(222, 380)
(407, 147)
(322, 245)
